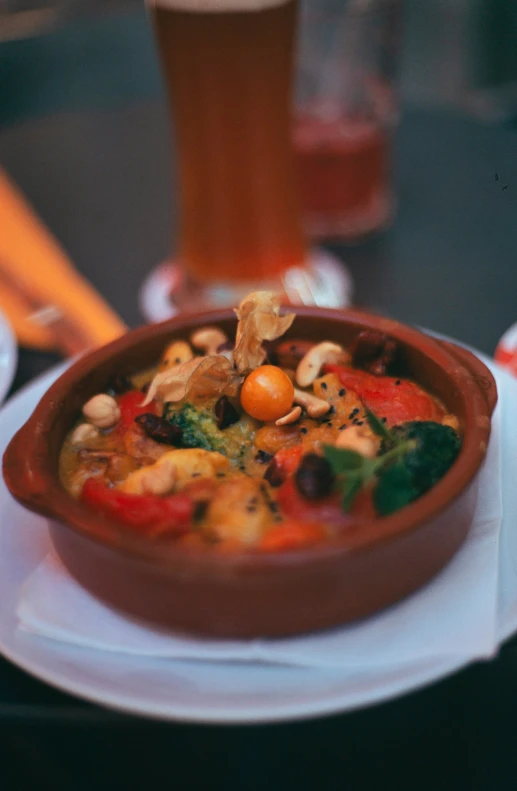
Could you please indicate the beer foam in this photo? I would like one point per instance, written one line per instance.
(213, 6)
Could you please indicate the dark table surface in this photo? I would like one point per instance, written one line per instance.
(100, 180)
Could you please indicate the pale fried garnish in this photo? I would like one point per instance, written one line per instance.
(259, 320)
(200, 377)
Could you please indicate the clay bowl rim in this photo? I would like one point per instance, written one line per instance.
(37, 487)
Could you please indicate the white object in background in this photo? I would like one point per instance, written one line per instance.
(8, 356)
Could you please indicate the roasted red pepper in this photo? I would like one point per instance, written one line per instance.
(397, 400)
(148, 514)
(327, 510)
(130, 405)
(284, 463)
(288, 459)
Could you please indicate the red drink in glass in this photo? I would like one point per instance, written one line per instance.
(344, 175)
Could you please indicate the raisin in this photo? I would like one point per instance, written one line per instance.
(159, 429)
(263, 457)
(374, 351)
(225, 413)
(274, 475)
(119, 384)
(314, 477)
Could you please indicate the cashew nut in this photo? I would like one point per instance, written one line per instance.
(311, 363)
(176, 353)
(354, 438)
(315, 407)
(208, 339)
(291, 417)
(85, 432)
(102, 410)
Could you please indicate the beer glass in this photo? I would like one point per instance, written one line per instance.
(228, 67)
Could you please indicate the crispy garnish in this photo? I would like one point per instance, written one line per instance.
(200, 377)
(259, 320)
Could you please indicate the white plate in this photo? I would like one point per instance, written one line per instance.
(204, 691)
(8, 356)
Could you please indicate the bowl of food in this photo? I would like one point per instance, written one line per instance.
(258, 474)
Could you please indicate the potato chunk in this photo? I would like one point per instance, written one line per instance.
(238, 511)
(174, 471)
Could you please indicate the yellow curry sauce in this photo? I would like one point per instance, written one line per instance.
(179, 452)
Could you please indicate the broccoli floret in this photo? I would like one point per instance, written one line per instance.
(433, 449)
(198, 427)
(436, 448)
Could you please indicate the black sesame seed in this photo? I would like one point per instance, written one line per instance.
(331, 410)
(342, 392)
(342, 427)
(220, 475)
(397, 381)
(356, 411)
(303, 430)
(384, 419)
(196, 474)
(177, 360)
(359, 422)
(323, 385)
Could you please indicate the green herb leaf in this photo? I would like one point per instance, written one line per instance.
(349, 488)
(394, 489)
(352, 470)
(342, 460)
(378, 427)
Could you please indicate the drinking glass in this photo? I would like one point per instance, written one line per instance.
(228, 67)
(346, 113)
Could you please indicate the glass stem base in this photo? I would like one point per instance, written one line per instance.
(324, 280)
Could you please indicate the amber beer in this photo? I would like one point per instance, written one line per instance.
(228, 67)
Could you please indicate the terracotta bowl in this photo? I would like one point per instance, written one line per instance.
(247, 595)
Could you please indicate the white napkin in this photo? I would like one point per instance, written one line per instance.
(453, 614)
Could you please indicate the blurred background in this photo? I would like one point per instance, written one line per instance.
(78, 54)
(84, 135)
